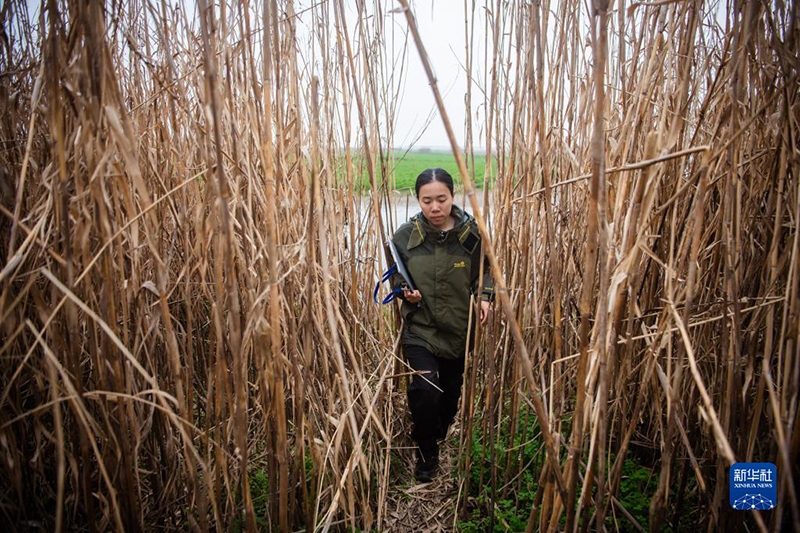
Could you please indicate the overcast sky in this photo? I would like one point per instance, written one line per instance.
(441, 27)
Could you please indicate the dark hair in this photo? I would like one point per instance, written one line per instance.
(434, 174)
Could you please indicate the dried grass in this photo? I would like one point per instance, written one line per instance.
(187, 341)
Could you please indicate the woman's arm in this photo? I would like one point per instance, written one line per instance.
(396, 281)
(486, 290)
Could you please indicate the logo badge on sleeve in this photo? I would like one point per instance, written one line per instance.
(753, 486)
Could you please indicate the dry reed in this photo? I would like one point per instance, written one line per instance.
(187, 338)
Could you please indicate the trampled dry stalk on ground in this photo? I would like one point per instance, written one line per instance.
(189, 249)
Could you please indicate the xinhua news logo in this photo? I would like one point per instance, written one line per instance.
(753, 486)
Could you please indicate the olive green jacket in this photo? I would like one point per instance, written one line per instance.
(444, 268)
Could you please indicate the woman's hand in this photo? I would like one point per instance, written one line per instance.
(411, 296)
(484, 312)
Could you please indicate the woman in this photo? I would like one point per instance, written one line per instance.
(441, 249)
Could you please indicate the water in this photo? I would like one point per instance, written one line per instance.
(404, 206)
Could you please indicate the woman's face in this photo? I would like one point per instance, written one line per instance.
(436, 201)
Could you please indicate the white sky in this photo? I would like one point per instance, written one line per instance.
(441, 26)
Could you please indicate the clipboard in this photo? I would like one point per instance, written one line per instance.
(394, 254)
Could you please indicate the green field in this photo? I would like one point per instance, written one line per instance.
(404, 167)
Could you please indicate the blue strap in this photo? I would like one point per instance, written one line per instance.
(392, 295)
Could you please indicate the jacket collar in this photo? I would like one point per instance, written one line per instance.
(422, 227)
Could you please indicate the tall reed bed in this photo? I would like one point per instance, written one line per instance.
(188, 335)
(645, 204)
(188, 340)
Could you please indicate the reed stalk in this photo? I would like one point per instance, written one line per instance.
(193, 203)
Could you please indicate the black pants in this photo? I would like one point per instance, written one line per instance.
(432, 410)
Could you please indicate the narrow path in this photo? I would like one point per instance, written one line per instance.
(417, 507)
(423, 507)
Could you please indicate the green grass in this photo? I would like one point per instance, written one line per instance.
(637, 486)
(512, 508)
(259, 492)
(404, 167)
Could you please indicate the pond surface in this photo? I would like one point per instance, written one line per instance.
(404, 206)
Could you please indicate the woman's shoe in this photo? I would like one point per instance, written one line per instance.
(443, 435)
(425, 470)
